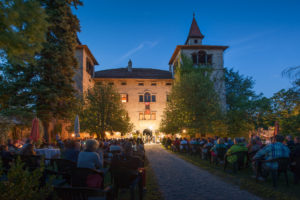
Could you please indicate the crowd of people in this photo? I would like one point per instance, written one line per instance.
(103, 156)
(87, 153)
(262, 156)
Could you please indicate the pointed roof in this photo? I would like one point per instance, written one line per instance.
(194, 30)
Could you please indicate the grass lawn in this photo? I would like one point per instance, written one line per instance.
(244, 180)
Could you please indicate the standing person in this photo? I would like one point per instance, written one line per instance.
(89, 158)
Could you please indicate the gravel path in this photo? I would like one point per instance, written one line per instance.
(180, 180)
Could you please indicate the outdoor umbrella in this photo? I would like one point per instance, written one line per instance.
(77, 126)
(35, 131)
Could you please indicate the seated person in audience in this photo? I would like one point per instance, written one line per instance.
(236, 147)
(4, 153)
(206, 147)
(183, 144)
(28, 141)
(272, 151)
(295, 157)
(290, 142)
(253, 147)
(115, 147)
(89, 158)
(28, 150)
(11, 147)
(70, 152)
(220, 145)
(229, 142)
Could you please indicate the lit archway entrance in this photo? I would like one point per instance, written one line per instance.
(147, 133)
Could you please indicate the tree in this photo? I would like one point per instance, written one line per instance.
(245, 110)
(194, 103)
(55, 95)
(23, 25)
(286, 110)
(103, 111)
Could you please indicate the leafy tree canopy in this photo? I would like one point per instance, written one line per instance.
(23, 25)
(194, 104)
(103, 111)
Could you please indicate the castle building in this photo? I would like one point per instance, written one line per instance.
(144, 91)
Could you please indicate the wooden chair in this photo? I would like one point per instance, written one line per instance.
(79, 176)
(221, 152)
(126, 176)
(83, 193)
(31, 162)
(242, 157)
(295, 167)
(283, 165)
(64, 167)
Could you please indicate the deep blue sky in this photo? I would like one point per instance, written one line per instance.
(263, 35)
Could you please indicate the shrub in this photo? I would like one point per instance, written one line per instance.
(20, 184)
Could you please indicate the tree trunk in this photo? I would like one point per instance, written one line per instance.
(102, 134)
(46, 134)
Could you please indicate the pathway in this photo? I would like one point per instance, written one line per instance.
(180, 180)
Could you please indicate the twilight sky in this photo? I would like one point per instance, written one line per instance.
(263, 35)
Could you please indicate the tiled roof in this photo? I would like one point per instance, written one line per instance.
(195, 31)
(139, 73)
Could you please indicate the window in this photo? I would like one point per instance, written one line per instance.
(168, 83)
(202, 57)
(123, 83)
(153, 98)
(147, 106)
(140, 84)
(111, 83)
(153, 116)
(147, 97)
(147, 116)
(195, 41)
(124, 98)
(153, 84)
(141, 116)
(89, 67)
(141, 98)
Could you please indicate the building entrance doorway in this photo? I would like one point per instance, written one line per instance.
(147, 135)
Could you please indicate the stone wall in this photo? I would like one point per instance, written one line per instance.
(83, 80)
(134, 107)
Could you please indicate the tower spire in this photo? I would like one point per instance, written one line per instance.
(194, 33)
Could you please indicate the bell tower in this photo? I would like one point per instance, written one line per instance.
(202, 55)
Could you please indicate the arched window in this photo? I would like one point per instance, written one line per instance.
(202, 58)
(194, 58)
(147, 97)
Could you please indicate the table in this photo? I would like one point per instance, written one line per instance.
(48, 153)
